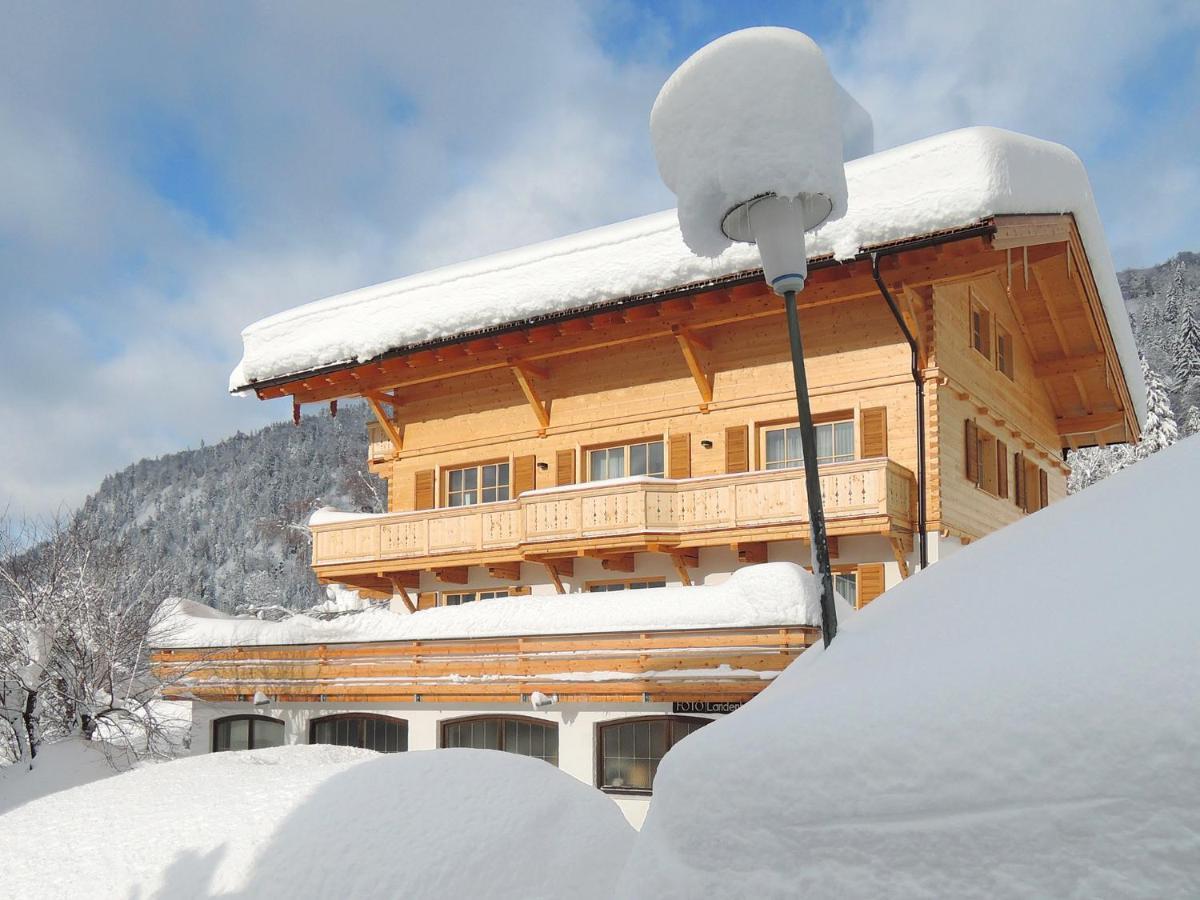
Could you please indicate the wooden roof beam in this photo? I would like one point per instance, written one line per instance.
(1069, 365)
(1101, 421)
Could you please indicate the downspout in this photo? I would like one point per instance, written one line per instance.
(919, 385)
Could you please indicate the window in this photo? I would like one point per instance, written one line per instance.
(603, 587)
(477, 484)
(246, 733)
(835, 443)
(629, 750)
(510, 734)
(371, 732)
(1004, 351)
(846, 585)
(644, 458)
(458, 598)
(981, 328)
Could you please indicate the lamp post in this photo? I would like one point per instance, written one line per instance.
(747, 133)
(778, 226)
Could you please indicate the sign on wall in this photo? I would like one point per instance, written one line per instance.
(705, 707)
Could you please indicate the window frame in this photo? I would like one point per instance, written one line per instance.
(497, 592)
(479, 488)
(977, 338)
(604, 582)
(250, 717)
(838, 417)
(598, 747)
(502, 718)
(313, 722)
(587, 450)
(1007, 365)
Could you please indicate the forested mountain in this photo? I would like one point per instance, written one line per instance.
(1164, 305)
(225, 524)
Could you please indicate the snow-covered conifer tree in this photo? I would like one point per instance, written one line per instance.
(1191, 421)
(1185, 350)
(1161, 429)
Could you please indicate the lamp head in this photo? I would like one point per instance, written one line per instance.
(777, 225)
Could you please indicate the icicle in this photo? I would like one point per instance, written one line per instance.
(333, 409)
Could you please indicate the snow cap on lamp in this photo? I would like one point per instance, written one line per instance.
(747, 134)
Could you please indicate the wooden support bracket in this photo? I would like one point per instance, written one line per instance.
(753, 552)
(621, 562)
(688, 342)
(524, 373)
(451, 575)
(552, 571)
(901, 556)
(402, 591)
(390, 428)
(505, 571)
(683, 560)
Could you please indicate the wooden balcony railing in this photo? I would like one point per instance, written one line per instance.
(863, 496)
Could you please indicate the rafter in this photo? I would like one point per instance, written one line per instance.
(1069, 365)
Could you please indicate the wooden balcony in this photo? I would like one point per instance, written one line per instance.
(727, 664)
(871, 496)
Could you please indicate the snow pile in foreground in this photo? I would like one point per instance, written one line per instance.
(764, 595)
(60, 765)
(320, 821)
(946, 181)
(1021, 720)
(754, 112)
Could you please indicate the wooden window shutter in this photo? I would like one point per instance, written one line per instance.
(423, 493)
(1044, 486)
(679, 456)
(972, 449)
(1019, 480)
(1001, 470)
(874, 432)
(870, 583)
(737, 448)
(427, 600)
(523, 474)
(564, 467)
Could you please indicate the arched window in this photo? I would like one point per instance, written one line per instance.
(246, 733)
(367, 730)
(512, 734)
(628, 751)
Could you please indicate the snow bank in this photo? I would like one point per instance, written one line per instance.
(769, 594)
(59, 766)
(320, 821)
(754, 112)
(1020, 720)
(947, 181)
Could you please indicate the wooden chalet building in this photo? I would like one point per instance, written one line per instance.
(605, 413)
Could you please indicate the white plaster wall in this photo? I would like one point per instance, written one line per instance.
(576, 729)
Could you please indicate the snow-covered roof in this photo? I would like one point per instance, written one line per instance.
(944, 182)
(756, 596)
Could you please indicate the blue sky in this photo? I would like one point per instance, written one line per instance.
(172, 172)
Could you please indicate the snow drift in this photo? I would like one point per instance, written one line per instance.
(1020, 720)
(320, 822)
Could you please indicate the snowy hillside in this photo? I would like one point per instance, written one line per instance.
(1021, 720)
(224, 524)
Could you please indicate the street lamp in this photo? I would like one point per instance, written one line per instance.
(746, 133)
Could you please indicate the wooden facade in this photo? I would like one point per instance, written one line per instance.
(1017, 363)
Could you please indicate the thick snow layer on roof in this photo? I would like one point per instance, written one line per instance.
(946, 181)
(320, 821)
(754, 112)
(769, 594)
(1020, 720)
